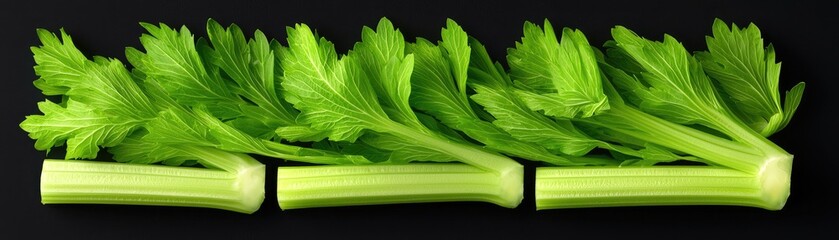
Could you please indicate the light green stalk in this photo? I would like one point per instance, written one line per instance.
(576, 187)
(240, 189)
(325, 186)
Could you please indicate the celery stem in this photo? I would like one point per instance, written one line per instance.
(338, 185)
(576, 187)
(90, 182)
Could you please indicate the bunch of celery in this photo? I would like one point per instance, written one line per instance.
(712, 107)
(388, 113)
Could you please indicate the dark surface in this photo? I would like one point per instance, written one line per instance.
(804, 35)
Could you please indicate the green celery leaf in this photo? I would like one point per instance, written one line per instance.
(253, 65)
(137, 149)
(104, 85)
(748, 74)
(300, 133)
(173, 60)
(199, 127)
(499, 140)
(102, 102)
(671, 83)
(58, 62)
(257, 121)
(250, 64)
(381, 56)
(494, 92)
(483, 70)
(83, 127)
(515, 118)
(332, 94)
(435, 91)
(440, 128)
(565, 68)
(105, 105)
(456, 43)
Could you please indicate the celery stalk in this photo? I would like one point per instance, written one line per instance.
(577, 187)
(91, 182)
(324, 186)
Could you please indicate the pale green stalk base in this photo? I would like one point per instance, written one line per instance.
(328, 186)
(578, 187)
(89, 182)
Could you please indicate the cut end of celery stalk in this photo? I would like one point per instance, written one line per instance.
(89, 182)
(512, 187)
(775, 178)
(332, 186)
(251, 182)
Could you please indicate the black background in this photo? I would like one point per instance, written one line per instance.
(804, 34)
